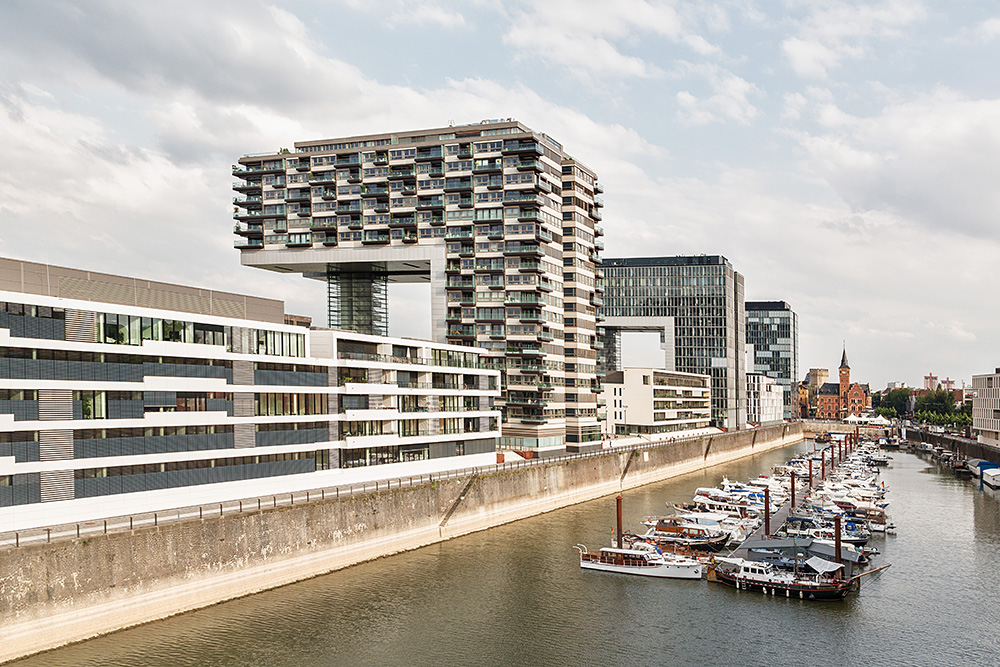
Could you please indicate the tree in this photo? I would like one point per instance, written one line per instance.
(939, 401)
(888, 413)
(898, 400)
(876, 400)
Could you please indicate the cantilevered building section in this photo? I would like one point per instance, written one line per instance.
(696, 304)
(498, 218)
(773, 331)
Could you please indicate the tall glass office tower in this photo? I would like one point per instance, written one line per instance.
(773, 330)
(696, 303)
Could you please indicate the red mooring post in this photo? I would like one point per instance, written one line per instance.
(618, 529)
(793, 491)
(822, 464)
(836, 538)
(810, 473)
(767, 513)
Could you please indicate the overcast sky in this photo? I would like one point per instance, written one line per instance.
(845, 156)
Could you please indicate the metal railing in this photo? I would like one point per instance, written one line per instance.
(127, 523)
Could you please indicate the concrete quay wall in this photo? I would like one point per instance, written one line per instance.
(54, 594)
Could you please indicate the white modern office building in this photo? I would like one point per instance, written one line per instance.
(765, 400)
(119, 395)
(986, 408)
(649, 401)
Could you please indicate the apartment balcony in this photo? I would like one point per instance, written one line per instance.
(348, 160)
(330, 239)
(489, 267)
(408, 189)
(532, 419)
(487, 166)
(545, 285)
(521, 297)
(521, 147)
(598, 231)
(429, 153)
(372, 237)
(465, 151)
(529, 165)
(530, 316)
(403, 221)
(546, 336)
(530, 267)
(323, 178)
(329, 222)
(598, 189)
(355, 223)
(495, 183)
(465, 202)
(458, 184)
(596, 214)
(516, 248)
(518, 197)
(436, 220)
(381, 159)
(354, 176)
(328, 194)
(530, 368)
(430, 203)
(246, 186)
(380, 206)
(248, 244)
(253, 201)
(255, 229)
(410, 237)
(243, 170)
(354, 206)
(526, 400)
(598, 244)
(247, 215)
(379, 191)
(466, 332)
(460, 283)
(299, 241)
(297, 195)
(402, 171)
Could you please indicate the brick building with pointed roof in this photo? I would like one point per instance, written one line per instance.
(839, 400)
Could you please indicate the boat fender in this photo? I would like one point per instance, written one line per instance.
(788, 593)
(763, 590)
(801, 595)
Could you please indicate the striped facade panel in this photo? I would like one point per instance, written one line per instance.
(55, 404)
(81, 326)
(244, 436)
(243, 404)
(243, 372)
(56, 485)
(95, 290)
(55, 445)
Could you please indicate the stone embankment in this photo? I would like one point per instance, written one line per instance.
(53, 594)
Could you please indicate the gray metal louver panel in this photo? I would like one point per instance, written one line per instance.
(56, 485)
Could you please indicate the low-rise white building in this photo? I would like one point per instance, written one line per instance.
(119, 396)
(986, 407)
(648, 401)
(765, 400)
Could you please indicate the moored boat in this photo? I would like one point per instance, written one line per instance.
(642, 559)
(747, 575)
(678, 530)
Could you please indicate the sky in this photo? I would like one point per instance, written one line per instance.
(844, 156)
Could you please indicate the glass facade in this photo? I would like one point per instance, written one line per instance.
(703, 295)
(773, 330)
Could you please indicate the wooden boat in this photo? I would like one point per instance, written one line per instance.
(678, 530)
(642, 559)
(748, 575)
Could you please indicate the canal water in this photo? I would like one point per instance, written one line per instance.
(515, 595)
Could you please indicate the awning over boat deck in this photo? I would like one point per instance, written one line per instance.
(806, 544)
(783, 543)
(822, 566)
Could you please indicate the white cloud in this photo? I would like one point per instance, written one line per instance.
(835, 31)
(586, 36)
(933, 161)
(729, 98)
(988, 30)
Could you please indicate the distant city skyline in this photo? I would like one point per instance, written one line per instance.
(843, 156)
